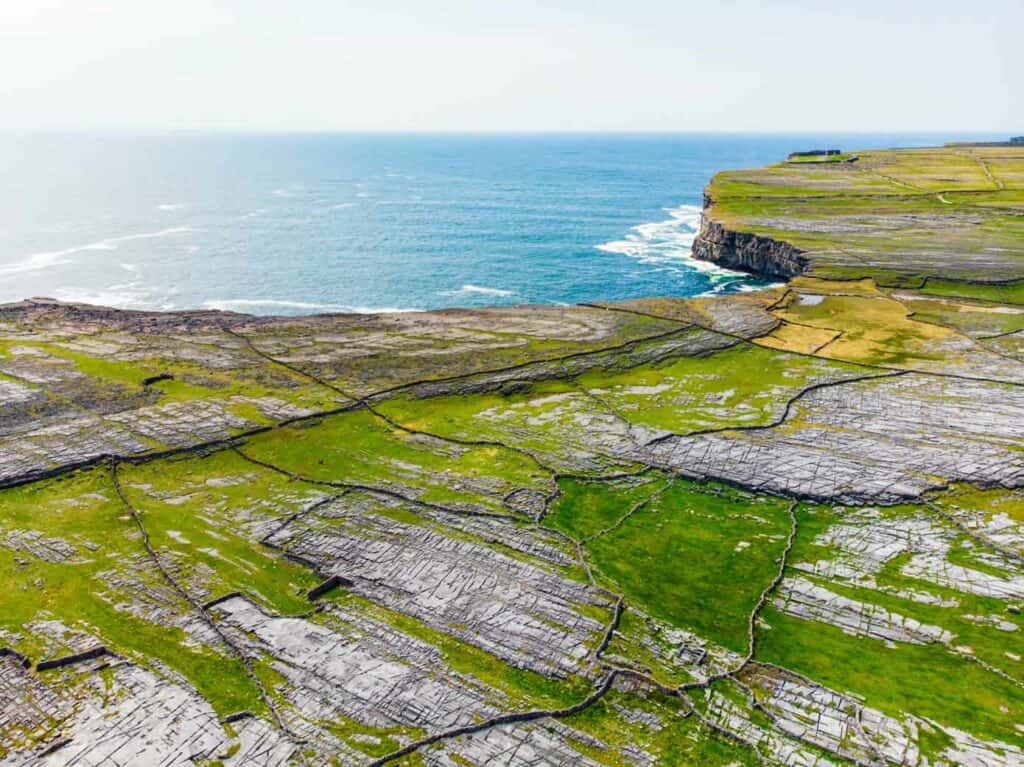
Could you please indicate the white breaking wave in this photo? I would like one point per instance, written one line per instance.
(252, 304)
(669, 244)
(740, 287)
(131, 295)
(172, 206)
(478, 289)
(45, 260)
(341, 205)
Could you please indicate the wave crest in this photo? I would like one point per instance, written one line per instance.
(668, 245)
(482, 290)
(256, 304)
(45, 260)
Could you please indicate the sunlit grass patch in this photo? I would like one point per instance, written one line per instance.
(83, 592)
(554, 420)
(925, 679)
(717, 390)
(695, 556)
(1002, 293)
(873, 330)
(205, 514)
(360, 448)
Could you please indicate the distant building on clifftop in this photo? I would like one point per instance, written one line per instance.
(814, 153)
(820, 156)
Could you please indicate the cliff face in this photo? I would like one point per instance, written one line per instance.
(759, 255)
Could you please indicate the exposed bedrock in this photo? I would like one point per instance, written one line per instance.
(882, 440)
(748, 252)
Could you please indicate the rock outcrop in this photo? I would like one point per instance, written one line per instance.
(753, 253)
(783, 527)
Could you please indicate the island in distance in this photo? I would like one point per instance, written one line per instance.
(781, 527)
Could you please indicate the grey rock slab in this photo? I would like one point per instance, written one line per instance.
(511, 745)
(884, 441)
(778, 747)
(805, 599)
(143, 721)
(830, 720)
(358, 668)
(27, 705)
(523, 613)
(867, 539)
(68, 441)
(178, 424)
(260, 744)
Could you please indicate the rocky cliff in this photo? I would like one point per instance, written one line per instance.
(748, 252)
(447, 537)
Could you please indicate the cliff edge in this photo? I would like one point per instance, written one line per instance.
(900, 217)
(763, 256)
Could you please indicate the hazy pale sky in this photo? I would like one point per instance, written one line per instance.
(426, 65)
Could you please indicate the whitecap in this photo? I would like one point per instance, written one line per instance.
(341, 205)
(169, 206)
(130, 295)
(668, 243)
(45, 260)
(478, 289)
(255, 304)
(738, 286)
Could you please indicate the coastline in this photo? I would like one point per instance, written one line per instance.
(215, 522)
(380, 225)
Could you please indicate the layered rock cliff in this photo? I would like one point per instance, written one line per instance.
(753, 253)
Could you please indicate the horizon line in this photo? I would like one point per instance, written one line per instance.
(525, 133)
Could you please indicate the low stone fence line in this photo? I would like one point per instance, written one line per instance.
(69, 660)
(53, 748)
(512, 718)
(328, 585)
(7, 652)
(218, 600)
(238, 716)
(297, 558)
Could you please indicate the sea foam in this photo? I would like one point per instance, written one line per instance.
(45, 260)
(482, 290)
(668, 245)
(251, 304)
(129, 295)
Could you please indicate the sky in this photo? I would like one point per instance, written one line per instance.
(516, 65)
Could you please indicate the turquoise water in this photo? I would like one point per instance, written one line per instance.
(308, 223)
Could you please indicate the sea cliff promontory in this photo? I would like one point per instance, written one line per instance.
(899, 217)
(781, 527)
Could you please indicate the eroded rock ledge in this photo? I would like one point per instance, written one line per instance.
(784, 527)
(753, 253)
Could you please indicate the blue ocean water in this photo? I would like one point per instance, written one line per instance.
(291, 224)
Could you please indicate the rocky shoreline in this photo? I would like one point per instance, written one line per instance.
(783, 527)
(743, 251)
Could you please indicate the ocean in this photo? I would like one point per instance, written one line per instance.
(298, 224)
